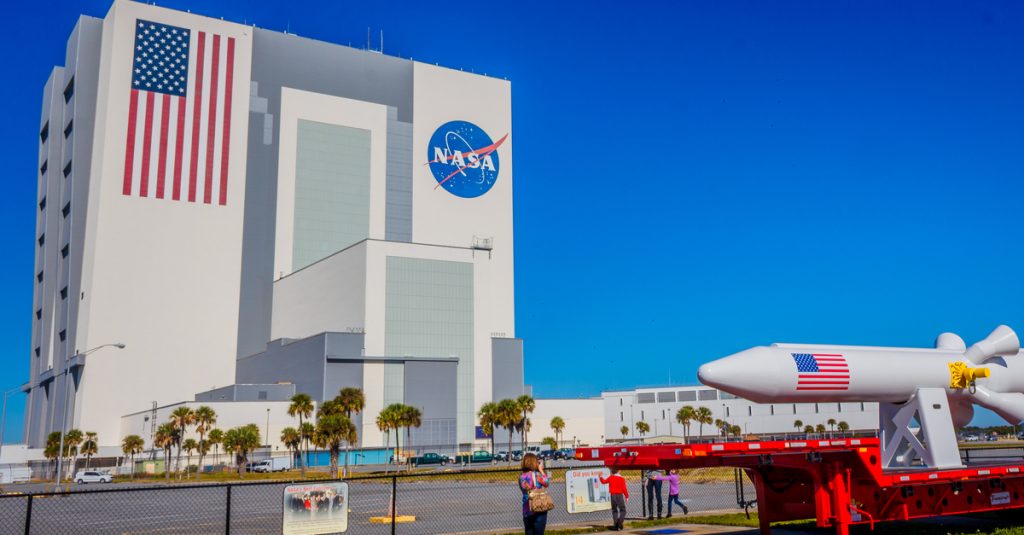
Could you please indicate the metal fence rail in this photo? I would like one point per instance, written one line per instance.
(470, 501)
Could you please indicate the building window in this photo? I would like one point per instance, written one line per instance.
(686, 395)
(771, 409)
(641, 415)
(620, 402)
(666, 397)
(707, 395)
(38, 351)
(64, 252)
(39, 276)
(621, 417)
(750, 410)
(64, 292)
(261, 395)
(662, 414)
(815, 408)
(45, 132)
(67, 169)
(66, 210)
(645, 397)
(42, 239)
(727, 412)
(42, 204)
(861, 406)
(39, 314)
(839, 407)
(69, 90)
(63, 335)
(794, 408)
(725, 395)
(69, 128)
(44, 167)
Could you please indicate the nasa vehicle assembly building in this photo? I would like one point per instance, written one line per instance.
(241, 206)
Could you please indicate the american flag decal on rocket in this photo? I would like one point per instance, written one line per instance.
(821, 371)
(179, 114)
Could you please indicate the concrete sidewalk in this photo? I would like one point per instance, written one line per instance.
(688, 529)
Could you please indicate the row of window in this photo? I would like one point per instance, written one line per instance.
(750, 411)
(707, 394)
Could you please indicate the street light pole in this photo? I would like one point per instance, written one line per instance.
(268, 427)
(3, 419)
(64, 411)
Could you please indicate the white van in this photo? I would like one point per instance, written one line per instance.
(92, 476)
(274, 464)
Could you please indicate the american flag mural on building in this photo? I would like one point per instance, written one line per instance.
(179, 114)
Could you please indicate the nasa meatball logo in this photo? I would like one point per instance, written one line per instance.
(464, 159)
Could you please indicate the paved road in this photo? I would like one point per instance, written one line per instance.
(451, 506)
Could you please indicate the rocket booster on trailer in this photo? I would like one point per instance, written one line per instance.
(990, 373)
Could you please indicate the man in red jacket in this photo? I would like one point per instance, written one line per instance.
(620, 495)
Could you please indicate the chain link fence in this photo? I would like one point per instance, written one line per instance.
(442, 501)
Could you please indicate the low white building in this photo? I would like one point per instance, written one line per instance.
(583, 417)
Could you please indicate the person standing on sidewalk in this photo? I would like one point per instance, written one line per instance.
(533, 478)
(620, 497)
(673, 493)
(653, 491)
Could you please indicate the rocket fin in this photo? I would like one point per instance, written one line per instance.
(1000, 342)
(1010, 406)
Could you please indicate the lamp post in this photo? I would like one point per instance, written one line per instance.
(3, 419)
(268, 427)
(64, 412)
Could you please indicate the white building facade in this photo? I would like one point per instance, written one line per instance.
(210, 192)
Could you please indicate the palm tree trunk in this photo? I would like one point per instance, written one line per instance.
(133, 466)
(387, 446)
(345, 473)
(510, 444)
(398, 444)
(302, 458)
(167, 463)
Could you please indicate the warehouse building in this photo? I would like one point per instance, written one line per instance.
(238, 205)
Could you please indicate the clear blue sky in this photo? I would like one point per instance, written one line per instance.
(692, 178)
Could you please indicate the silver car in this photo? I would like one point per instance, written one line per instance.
(92, 476)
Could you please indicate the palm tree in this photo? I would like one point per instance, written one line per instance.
(557, 425)
(182, 417)
(736, 430)
(508, 415)
(205, 419)
(351, 400)
(488, 421)
(332, 429)
(703, 416)
(385, 422)
(130, 446)
(306, 431)
(843, 426)
(684, 416)
(215, 439)
(89, 447)
(72, 439)
(808, 429)
(624, 431)
(550, 442)
(411, 417)
(189, 445)
(831, 424)
(798, 424)
(820, 428)
(165, 438)
(526, 406)
(241, 441)
(292, 439)
(52, 449)
(718, 425)
(642, 428)
(302, 406)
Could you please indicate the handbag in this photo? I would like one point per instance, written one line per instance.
(539, 500)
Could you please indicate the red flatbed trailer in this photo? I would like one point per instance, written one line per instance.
(840, 482)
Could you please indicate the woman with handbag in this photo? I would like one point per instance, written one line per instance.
(536, 501)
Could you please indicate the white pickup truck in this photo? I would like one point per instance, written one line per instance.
(274, 464)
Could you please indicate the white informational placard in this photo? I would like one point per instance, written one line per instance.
(584, 492)
(315, 508)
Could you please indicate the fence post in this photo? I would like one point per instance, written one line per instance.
(227, 513)
(28, 516)
(394, 510)
(643, 495)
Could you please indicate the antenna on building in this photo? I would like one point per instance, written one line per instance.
(382, 41)
(367, 37)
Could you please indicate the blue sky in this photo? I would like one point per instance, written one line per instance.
(692, 178)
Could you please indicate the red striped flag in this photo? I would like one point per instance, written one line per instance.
(821, 371)
(179, 114)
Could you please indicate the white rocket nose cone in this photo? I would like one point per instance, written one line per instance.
(751, 374)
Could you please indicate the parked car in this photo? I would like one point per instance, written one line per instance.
(501, 456)
(429, 458)
(547, 455)
(971, 438)
(479, 456)
(992, 438)
(565, 453)
(274, 464)
(517, 455)
(92, 476)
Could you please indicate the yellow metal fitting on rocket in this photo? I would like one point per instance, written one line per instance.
(962, 376)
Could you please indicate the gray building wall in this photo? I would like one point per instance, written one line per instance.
(70, 109)
(246, 392)
(507, 368)
(282, 60)
(431, 387)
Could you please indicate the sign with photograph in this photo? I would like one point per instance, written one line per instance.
(584, 492)
(315, 508)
